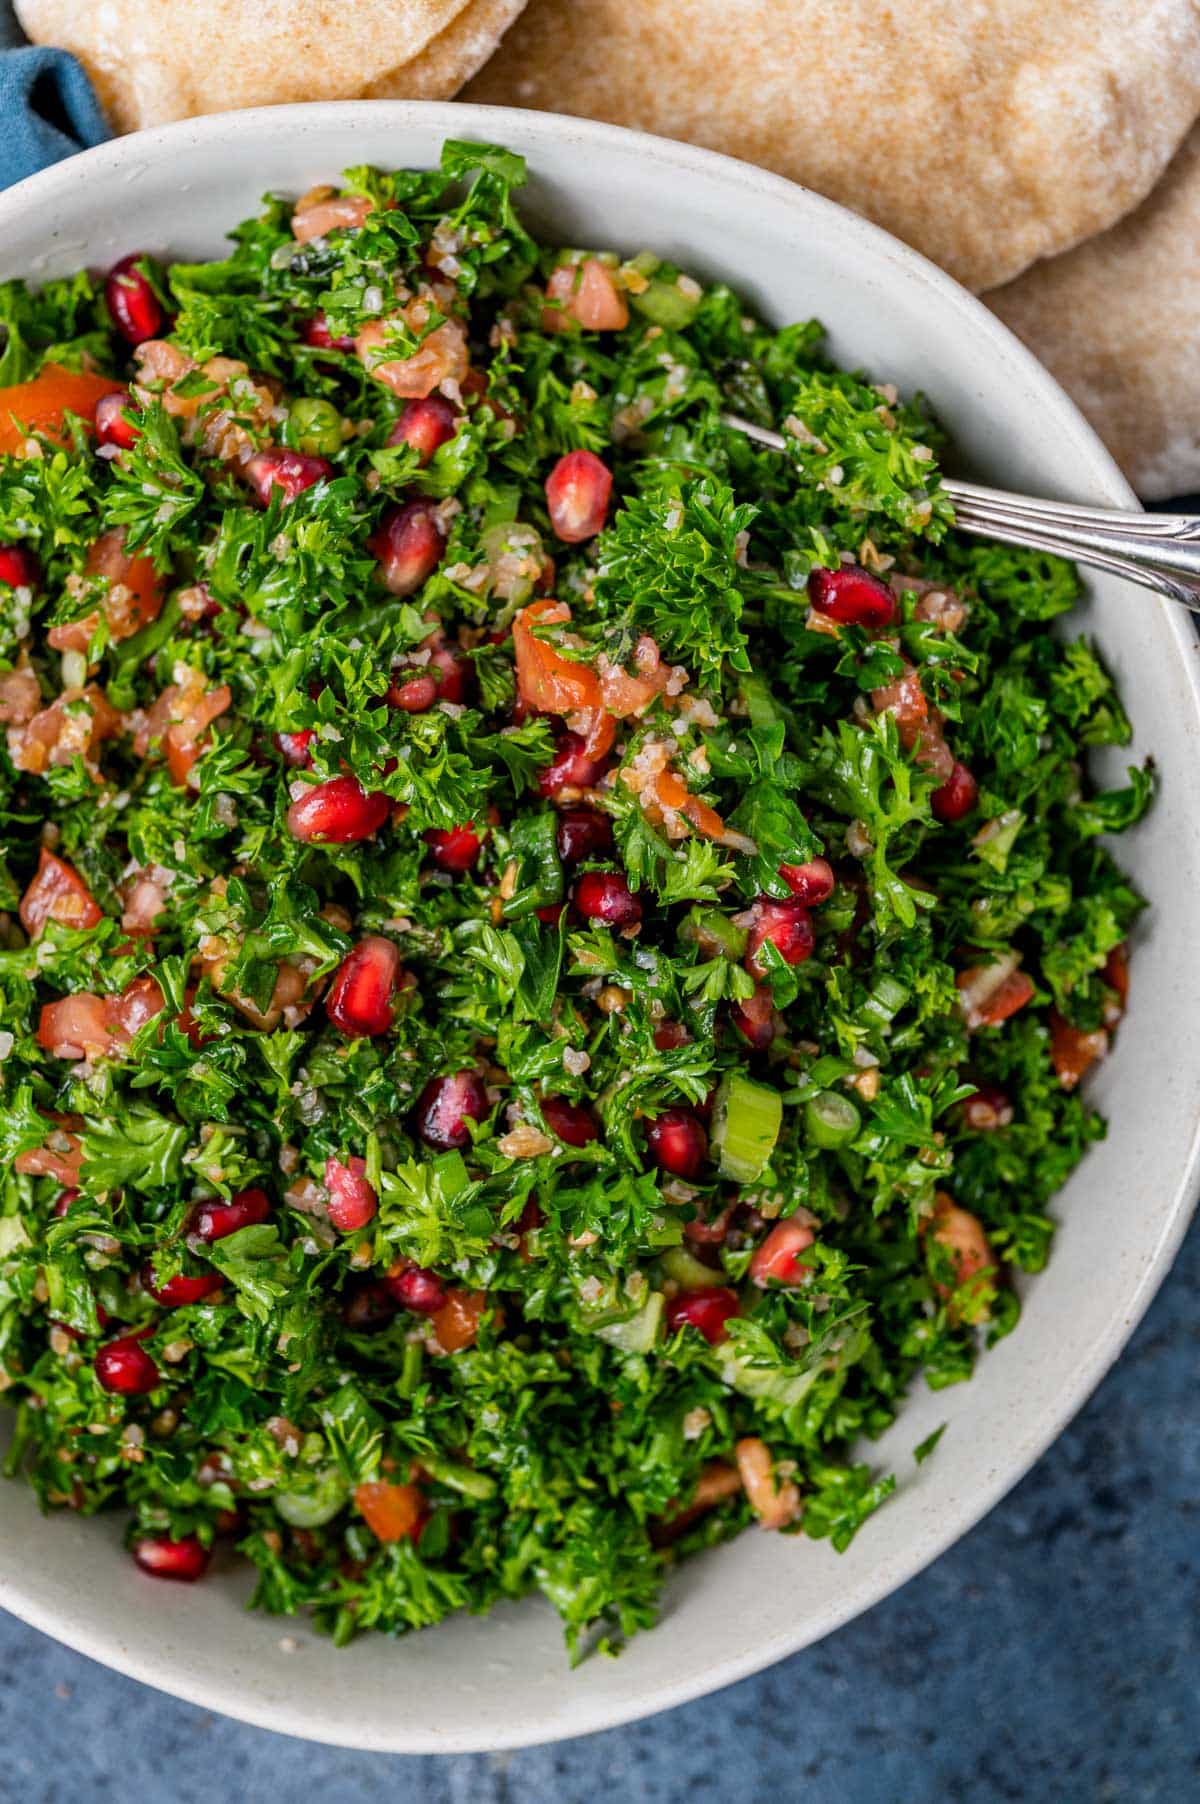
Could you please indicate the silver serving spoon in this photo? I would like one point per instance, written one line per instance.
(1160, 551)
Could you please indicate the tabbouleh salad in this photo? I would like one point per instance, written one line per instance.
(547, 950)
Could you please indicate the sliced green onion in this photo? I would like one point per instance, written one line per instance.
(638, 1333)
(831, 1120)
(410, 1369)
(464, 1479)
(745, 1126)
(886, 1000)
(666, 304)
(679, 1264)
(313, 1509)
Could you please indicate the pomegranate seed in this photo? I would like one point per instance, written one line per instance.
(443, 680)
(455, 850)
(111, 426)
(369, 1309)
(64, 1202)
(125, 1369)
(708, 1310)
(583, 833)
(408, 544)
(571, 1121)
(956, 797)
(416, 1288)
(786, 925)
(186, 1559)
(669, 1036)
(289, 472)
(445, 1106)
(361, 997)
(338, 813)
(18, 567)
(571, 768)
(677, 1143)
(293, 747)
(315, 332)
(180, 1290)
(577, 494)
(851, 596)
(246, 1209)
(352, 1201)
(416, 696)
(755, 1018)
(425, 425)
(779, 1255)
(132, 304)
(605, 896)
(810, 883)
(987, 1110)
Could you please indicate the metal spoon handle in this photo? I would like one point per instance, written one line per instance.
(1159, 551)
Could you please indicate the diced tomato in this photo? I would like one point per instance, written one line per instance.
(133, 599)
(708, 1310)
(587, 294)
(550, 683)
(779, 1258)
(989, 994)
(42, 403)
(325, 213)
(391, 1512)
(1116, 973)
(88, 1026)
(1072, 1051)
(960, 1234)
(442, 355)
(456, 1323)
(57, 893)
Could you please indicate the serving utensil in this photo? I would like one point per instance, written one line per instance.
(1159, 551)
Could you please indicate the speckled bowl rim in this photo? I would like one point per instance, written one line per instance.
(1097, 479)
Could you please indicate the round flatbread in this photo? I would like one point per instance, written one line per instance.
(1115, 320)
(173, 59)
(988, 133)
(451, 58)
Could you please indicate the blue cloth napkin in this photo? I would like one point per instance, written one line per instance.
(48, 111)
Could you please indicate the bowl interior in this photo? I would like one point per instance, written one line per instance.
(503, 1682)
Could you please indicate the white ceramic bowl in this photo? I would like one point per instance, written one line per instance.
(503, 1682)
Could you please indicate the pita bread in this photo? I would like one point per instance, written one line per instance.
(451, 58)
(156, 60)
(988, 133)
(1116, 322)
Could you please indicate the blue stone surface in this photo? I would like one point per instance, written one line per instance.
(1051, 1657)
